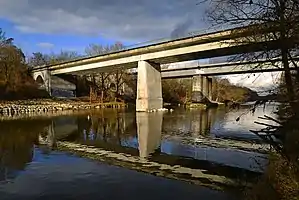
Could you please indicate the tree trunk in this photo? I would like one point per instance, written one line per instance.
(287, 75)
(284, 53)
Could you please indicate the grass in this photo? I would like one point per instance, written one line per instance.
(280, 181)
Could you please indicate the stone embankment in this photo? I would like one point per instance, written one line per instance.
(50, 106)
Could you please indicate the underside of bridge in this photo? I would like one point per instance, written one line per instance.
(55, 86)
(149, 76)
(148, 59)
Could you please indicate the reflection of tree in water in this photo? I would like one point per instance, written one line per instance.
(117, 127)
(17, 139)
(194, 123)
(113, 127)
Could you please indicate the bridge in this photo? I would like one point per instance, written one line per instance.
(148, 60)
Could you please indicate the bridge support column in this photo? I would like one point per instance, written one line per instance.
(205, 87)
(201, 89)
(197, 83)
(210, 89)
(149, 87)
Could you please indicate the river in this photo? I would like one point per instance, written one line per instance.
(120, 154)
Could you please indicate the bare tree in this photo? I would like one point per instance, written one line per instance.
(274, 24)
(105, 79)
(97, 49)
(39, 59)
(63, 56)
(271, 22)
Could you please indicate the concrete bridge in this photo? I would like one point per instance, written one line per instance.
(148, 60)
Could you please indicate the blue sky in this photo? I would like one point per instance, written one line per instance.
(52, 26)
(55, 25)
(48, 43)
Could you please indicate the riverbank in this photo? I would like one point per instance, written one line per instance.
(37, 106)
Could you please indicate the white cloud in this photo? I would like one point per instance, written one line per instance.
(45, 45)
(130, 20)
(258, 81)
(135, 20)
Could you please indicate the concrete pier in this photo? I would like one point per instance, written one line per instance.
(197, 82)
(205, 87)
(201, 89)
(210, 89)
(149, 87)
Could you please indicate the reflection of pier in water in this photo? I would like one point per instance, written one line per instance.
(117, 128)
(149, 132)
(141, 136)
(152, 142)
(124, 129)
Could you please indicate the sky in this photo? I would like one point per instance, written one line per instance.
(41, 25)
(55, 25)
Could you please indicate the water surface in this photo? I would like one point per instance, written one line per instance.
(207, 148)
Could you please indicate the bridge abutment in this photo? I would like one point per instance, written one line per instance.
(45, 76)
(149, 87)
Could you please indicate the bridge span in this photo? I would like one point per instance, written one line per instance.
(148, 60)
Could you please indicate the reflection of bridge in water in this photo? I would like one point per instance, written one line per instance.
(154, 143)
(143, 132)
(152, 136)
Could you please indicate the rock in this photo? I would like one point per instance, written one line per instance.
(29, 107)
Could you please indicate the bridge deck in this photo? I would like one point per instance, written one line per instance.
(191, 48)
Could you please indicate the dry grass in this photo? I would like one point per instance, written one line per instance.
(280, 181)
